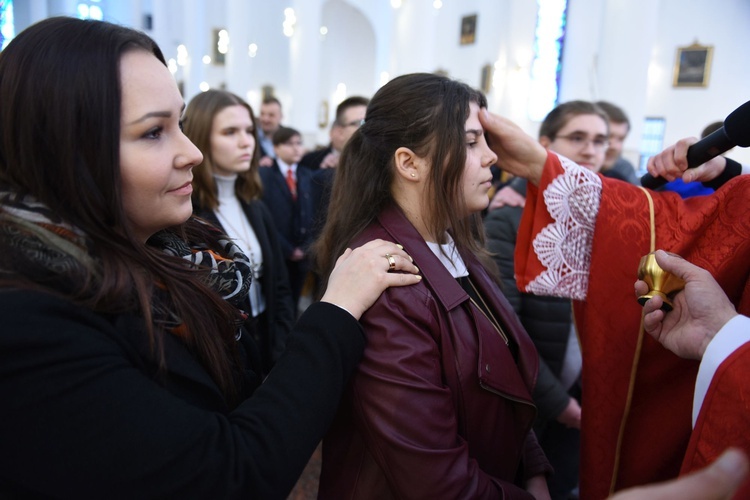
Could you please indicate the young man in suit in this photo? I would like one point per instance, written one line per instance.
(286, 192)
(350, 114)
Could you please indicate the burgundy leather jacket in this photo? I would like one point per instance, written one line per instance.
(438, 407)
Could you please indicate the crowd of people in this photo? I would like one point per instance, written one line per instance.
(155, 253)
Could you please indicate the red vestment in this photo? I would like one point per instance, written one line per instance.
(724, 418)
(598, 231)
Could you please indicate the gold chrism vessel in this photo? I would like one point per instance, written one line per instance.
(659, 281)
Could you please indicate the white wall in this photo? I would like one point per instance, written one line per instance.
(725, 24)
(624, 51)
(618, 50)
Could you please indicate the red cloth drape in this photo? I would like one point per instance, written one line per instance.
(710, 231)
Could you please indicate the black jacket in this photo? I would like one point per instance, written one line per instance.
(313, 159)
(293, 218)
(280, 313)
(84, 415)
(546, 319)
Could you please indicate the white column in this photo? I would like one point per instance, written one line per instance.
(629, 30)
(60, 8)
(304, 59)
(27, 13)
(607, 53)
(196, 37)
(238, 62)
(128, 13)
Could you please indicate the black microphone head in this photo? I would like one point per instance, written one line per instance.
(737, 125)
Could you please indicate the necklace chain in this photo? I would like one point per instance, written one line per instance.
(486, 311)
(244, 236)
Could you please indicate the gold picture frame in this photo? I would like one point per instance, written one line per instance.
(486, 78)
(468, 29)
(693, 66)
(323, 114)
(219, 57)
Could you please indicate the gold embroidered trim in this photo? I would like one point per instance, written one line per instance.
(636, 358)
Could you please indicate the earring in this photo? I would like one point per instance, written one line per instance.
(413, 174)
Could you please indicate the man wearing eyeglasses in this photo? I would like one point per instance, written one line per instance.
(349, 116)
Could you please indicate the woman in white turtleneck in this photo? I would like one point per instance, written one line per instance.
(226, 191)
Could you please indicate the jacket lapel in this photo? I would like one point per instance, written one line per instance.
(506, 378)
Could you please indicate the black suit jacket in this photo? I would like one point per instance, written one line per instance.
(546, 319)
(280, 313)
(293, 218)
(313, 159)
(86, 415)
(322, 183)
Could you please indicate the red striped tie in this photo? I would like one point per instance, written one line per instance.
(291, 183)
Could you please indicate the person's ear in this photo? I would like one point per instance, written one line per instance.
(545, 141)
(409, 165)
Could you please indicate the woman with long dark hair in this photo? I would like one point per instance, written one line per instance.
(440, 406)
(123, 371)
(226, 191)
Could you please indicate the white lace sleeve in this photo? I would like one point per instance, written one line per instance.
(564, 246)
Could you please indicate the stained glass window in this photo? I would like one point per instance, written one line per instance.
(545, 69)
(7, 30)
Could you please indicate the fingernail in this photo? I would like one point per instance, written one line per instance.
(419, 277)
(415, 267)
(400, 246)
(732, 463)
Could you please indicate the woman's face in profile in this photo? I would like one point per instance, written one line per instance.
(156, 158)
(477, 178)
(232, 140)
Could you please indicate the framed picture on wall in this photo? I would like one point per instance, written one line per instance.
(323, 114)
(468, 29)
(486, 78)
(267, 91)
(692, 66)
(220, 43)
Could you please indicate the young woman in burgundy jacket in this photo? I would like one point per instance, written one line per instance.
(440, 406)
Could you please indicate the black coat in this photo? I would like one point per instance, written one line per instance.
(84, 415)
(321, 186)
(313, 159)
(293, 218)
(546, 319)
(280, 313)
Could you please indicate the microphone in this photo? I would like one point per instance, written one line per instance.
(734, 132)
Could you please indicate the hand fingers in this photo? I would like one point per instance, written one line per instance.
(343, 257)
(662, 165)
(696, 173)
(402, 279)
(377, 251)
(680, 151)
(681, 268)
(641, 288)
(715, 482)
(653, 304)
(652, 319)
(382, 247)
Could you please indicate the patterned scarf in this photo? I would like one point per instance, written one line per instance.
(56, 254)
